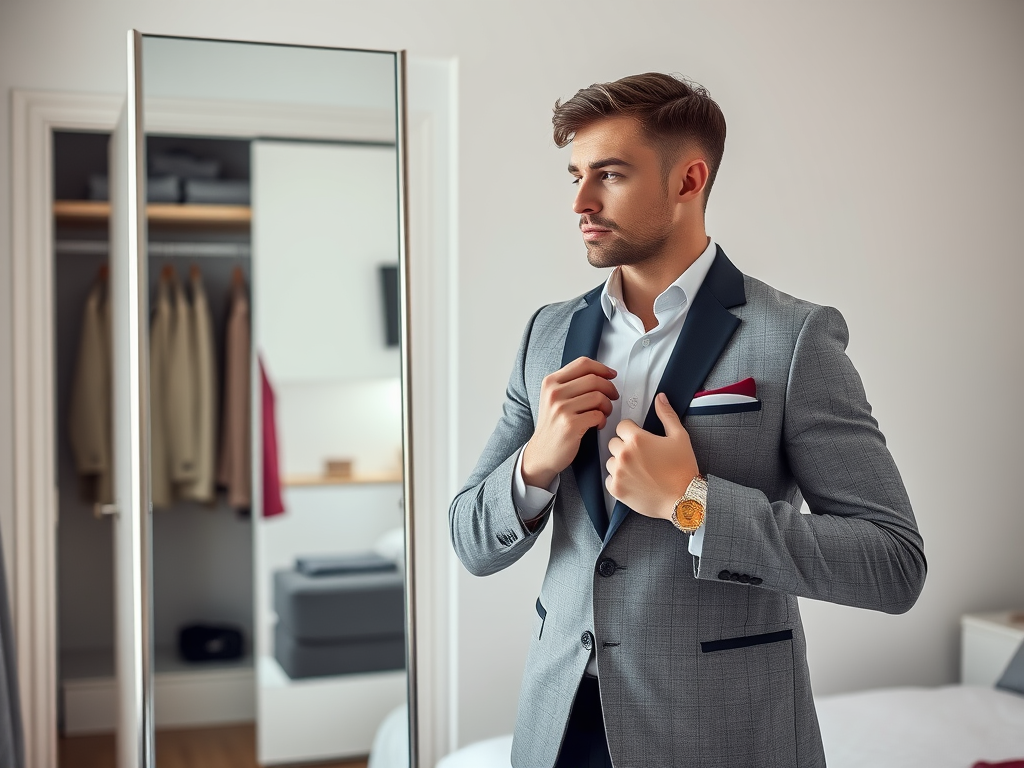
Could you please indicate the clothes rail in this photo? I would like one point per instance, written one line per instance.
(165, 249)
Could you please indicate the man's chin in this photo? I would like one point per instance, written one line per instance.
(600, 258)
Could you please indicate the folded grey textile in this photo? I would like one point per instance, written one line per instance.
(360, 562)
(159, 189)
(301, 659)
(340, 607)
(99, 187)
(184, 164)
(217, 191)
(163, 189)
(1013, 677)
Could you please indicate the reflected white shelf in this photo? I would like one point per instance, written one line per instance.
(184, 693)
(292, 481)
(320, 718)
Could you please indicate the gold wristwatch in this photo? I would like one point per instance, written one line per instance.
(688, 511)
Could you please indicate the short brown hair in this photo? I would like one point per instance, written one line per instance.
(673, 112)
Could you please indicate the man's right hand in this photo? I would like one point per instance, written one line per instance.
(573, 399)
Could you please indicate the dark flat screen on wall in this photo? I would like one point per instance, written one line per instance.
(389, 283)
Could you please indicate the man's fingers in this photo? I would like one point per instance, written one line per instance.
(667, 414)
(589, 401)
(627, 428)
(584, 384)
(581, 366)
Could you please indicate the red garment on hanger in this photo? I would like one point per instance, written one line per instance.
(273, 504)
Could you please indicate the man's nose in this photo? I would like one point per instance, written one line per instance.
(586, 201)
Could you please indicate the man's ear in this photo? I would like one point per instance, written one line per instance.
(690, 175)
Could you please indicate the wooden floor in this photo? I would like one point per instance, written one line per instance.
(232, 746)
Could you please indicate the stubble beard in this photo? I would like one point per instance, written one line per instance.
(625, 251)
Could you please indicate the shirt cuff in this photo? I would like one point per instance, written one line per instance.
(697, 540)
(530, 501)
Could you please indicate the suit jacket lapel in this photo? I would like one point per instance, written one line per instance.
(582, 340)
(708, 327)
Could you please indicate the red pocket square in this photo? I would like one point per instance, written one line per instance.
(747, 388)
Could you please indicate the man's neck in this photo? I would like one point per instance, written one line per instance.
(645, 282)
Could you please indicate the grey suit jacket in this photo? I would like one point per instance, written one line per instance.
(701, 661)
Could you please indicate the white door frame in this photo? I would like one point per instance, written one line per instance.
(30, 534)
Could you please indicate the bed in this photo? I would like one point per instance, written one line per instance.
(951, 726)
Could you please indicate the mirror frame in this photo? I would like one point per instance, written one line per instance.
(135, 42)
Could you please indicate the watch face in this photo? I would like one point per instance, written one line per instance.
(689, 512)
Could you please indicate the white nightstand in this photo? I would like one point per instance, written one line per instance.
(987, 643)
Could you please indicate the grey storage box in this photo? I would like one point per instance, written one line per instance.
(339, 624)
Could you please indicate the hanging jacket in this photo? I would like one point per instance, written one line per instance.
(89, 414)
(180, 395)
(159, 354)
(234, 470)
(204, 395)
(273, 504)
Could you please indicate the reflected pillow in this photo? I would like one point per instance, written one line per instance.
(1013, 677)
(335, 565)
(392, 547)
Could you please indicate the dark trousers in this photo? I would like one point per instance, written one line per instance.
(585, 745)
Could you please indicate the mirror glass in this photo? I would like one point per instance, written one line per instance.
(276, 401)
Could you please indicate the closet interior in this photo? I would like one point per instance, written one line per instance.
(278, 603)
(202, 562)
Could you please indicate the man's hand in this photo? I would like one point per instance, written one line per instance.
(573, 399)
(649, 473)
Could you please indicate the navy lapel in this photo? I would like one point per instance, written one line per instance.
(708, 327)
(582, 340)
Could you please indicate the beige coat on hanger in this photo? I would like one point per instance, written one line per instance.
(204, 394)
(89, 414)
(159, 352)
(180, 395)
(234, 470)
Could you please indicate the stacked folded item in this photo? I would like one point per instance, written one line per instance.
(217, 191)
(159, 189)
(178, 162)
(340, 615)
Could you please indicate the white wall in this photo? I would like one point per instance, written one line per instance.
(873, 163)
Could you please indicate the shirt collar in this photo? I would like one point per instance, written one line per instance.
(680, 293)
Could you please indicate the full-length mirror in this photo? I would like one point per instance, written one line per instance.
(277, 523)
(265, 581)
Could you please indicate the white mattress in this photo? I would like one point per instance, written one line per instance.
(951, 726)
(948, 727)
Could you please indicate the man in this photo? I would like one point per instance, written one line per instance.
(668, 631)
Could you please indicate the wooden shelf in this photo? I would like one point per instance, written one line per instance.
(308, 480)
(98, 211)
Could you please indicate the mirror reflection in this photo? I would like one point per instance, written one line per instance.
(309, 458)
(275, 413)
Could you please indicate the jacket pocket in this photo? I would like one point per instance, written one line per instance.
(730, 643)
(542, 612)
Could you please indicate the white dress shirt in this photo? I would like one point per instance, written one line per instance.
(639, 358)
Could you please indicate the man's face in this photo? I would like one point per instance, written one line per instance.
(623, 198)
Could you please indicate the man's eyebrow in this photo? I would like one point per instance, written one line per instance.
(603, 163)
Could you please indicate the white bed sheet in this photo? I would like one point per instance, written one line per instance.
(951, 726)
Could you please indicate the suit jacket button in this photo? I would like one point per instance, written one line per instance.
(744, 579)
(734, 577)
(587, 638)
(755, 580)
(724, 575)
(606, 567)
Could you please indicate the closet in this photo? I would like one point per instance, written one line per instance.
(322, 306)
(202, 550)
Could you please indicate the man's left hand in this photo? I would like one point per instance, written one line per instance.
(649, 473)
